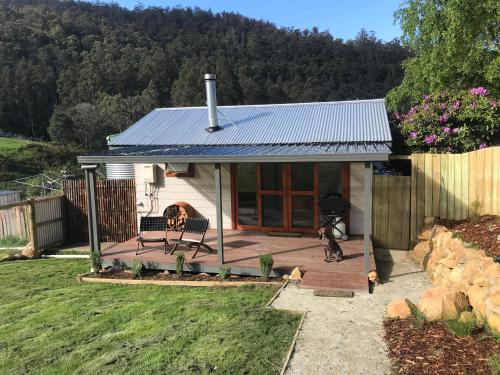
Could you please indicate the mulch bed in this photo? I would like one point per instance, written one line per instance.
(160, 275)
(485, 234)
(435, 350)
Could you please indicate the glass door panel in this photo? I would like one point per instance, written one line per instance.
(272, 176)
(302, 176)
(303, 211)
(272, 210)
(247, 194)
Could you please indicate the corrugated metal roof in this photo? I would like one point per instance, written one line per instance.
(238, 153)
(305, 123)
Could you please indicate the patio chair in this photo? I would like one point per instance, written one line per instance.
(193, 226)
(334, 210)
(152, 224)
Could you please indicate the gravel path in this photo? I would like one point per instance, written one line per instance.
(344, 335)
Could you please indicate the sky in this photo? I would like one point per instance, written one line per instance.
(342, 18)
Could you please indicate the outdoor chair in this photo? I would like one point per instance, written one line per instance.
(152, 224)
(194, 226)
(334, 210)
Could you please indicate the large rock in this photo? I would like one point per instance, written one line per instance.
(477, 299)
(28, 251)
(420, 251)
(440, 303)
(399, 309)
(495, 298)
(431, 231)
(494, 322)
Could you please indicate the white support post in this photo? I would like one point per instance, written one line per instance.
(218, 211)
(367, 216)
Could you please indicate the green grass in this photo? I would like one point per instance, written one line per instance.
(10, 145)
(494, 363)
(12, 241)
(461, 329)
(51, 324)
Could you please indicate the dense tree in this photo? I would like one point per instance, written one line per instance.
(92, 69)
(454, 44)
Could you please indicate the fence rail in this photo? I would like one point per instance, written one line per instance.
(41, 221)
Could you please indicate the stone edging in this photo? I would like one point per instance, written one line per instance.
(85, 278)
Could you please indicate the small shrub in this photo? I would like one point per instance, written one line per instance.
(179, 263)
(417, 318)
(12, 241)
(96, 260)
(476, 208)
(224, 272)
(461, 329)
(266, 265)
(137, 268)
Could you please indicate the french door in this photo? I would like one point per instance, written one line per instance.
(276, 196)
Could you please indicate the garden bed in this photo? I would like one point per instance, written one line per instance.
(485, 234)
(168, 278)
(433, 349)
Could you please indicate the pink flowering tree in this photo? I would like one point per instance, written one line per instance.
(456, 121)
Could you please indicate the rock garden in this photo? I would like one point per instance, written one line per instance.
(454, 327)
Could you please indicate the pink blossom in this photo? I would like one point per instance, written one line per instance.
(447, 130)
(429, 139)
(481, 91)
(426, 97)
(455, 130)
(413, 134)
(483, 145)
(456, 105)
(493, 103)
(426, 107)
(398, 116)
(443, 118)
(443, 106)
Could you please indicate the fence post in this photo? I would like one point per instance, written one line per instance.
(32, 227)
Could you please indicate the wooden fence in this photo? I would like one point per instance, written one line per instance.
(391, 208)
(442, 185)
(116, 209)
(41, 221)
(445, 185)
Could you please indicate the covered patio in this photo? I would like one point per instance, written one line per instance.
(242, 250)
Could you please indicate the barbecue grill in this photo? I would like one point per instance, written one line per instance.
(334, 210)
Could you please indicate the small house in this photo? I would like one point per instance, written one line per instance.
(259, 169)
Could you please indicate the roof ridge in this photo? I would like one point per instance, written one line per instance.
(377, 100)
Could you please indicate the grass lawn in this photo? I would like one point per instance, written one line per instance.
(51, 324)
(9, 145)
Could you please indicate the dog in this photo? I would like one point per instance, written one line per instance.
(330, 246)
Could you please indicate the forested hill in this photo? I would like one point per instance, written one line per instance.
(77, 71)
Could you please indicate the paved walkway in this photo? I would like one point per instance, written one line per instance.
(344, 335)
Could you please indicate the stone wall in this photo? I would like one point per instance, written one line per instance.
(464, 280)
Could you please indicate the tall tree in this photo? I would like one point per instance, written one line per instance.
(454, 44)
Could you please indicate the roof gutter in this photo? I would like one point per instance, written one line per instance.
(104, 159)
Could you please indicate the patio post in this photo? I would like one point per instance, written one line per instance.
(218, 212)
(93, 219)
(367, 216)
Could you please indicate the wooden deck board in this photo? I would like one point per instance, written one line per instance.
(242, 249)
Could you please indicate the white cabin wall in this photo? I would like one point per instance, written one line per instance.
(198, 191)
(357, 198)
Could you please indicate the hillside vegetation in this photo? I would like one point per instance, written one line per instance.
(78, 71)
(20, 158)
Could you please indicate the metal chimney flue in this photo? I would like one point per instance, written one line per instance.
(213, 124)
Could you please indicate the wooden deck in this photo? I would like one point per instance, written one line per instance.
(242, 250)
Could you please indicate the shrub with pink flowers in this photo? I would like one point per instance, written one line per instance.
(457, 121)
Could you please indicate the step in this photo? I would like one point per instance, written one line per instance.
(334, 280)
